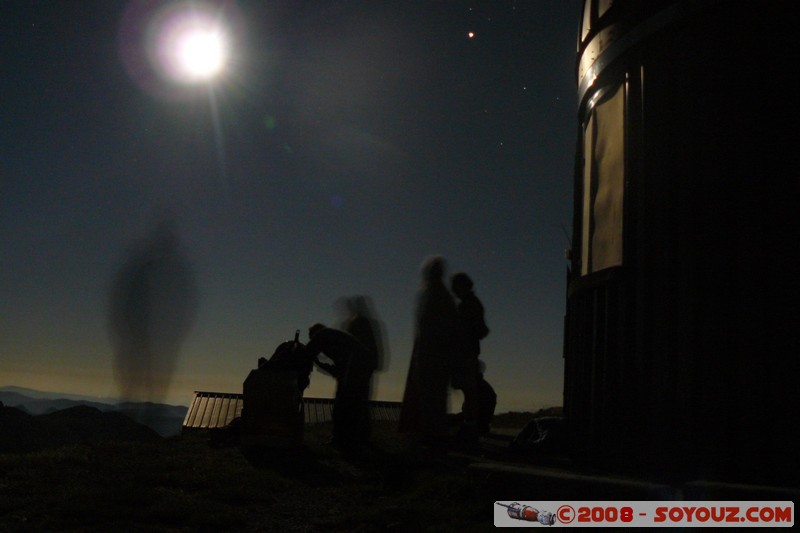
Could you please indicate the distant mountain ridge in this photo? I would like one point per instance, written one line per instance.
(165, 419)
(22, 433)
(44, 395)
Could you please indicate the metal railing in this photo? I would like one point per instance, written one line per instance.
(210, 410)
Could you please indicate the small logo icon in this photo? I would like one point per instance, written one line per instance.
(565, 514)
(529, 514)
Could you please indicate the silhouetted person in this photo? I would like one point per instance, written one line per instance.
(362, 323)
(152, 307)
(466, 373)
(425, 399)
(485, 404)
(353, 365)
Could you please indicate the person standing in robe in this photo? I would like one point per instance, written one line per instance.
(435, 341)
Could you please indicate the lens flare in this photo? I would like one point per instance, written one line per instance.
(191, 46)
(174, 49)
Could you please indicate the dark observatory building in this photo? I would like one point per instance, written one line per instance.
(681, 334)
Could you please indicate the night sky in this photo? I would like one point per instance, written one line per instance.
(344, 142)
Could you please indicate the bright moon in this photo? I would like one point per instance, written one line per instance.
(192, 43)
(201, 54)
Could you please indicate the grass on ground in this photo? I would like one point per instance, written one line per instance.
(184, 484)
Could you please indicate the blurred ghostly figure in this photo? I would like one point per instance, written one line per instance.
(435, 345)
(153, 303)
(363, 324)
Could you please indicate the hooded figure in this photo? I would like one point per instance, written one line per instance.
(435, 343)
(152, 307)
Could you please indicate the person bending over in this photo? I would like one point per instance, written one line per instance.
(352, 366)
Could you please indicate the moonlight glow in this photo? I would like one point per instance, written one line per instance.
(191, 44)
(202, 54)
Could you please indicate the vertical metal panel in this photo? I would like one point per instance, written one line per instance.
(587, 192)
(226, 412)
(188, 421)
(239, 405)
(208, 408)
(219, 403)
(608, 173)
(202, 409)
